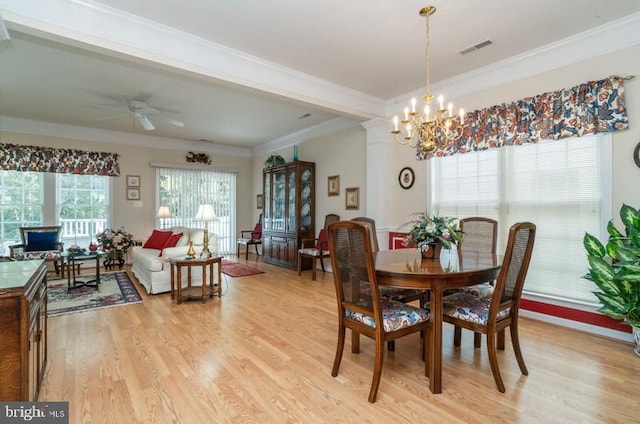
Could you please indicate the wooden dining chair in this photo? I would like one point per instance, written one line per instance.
(250, 237)
(316, 248)
(360, 306)
(398, 294)
(479, 234)
(491, 316)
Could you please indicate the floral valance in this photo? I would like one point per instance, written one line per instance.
(14, 157)
(592, 107)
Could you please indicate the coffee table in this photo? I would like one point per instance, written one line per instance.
(71, 260)
(191, 292)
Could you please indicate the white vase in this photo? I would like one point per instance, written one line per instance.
(636, 340)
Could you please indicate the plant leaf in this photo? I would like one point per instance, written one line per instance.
(629, 217)
(612, 306)
(593, 246)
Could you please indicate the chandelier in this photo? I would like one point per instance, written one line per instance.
(429, 128)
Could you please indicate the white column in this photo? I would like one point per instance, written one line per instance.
(380, 175)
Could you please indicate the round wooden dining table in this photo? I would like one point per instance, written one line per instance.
(406, 268)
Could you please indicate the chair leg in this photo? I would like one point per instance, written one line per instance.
(256, 246)
(391, 345)
(339, 350)
(501, 340)
(425, 348)
(477, 340)
(355, 342)
(515, 341)
(299, 263)
(238, 249)
(493, 360)
(314, 262)
(377, 370)
(457, 335)
(322, 264)
(246, 252)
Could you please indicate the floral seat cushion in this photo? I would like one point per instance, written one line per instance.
(479, 290)
(395, 315)
(312, 251)
(470, 308)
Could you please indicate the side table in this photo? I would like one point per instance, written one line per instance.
(70, 263)
(191, 292)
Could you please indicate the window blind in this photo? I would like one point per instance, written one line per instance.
(556, 185)
(183, 190)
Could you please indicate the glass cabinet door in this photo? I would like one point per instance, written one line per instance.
(306, 198)
(266, 208)
(291, 221)
(279, 200)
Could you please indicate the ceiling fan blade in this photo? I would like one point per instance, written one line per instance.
(174, 122)
(110, 118)
(145, 122)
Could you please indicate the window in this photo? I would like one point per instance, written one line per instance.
(183, 190)
(557, 185)
(79, 203)
(83, 206)
(20, 205)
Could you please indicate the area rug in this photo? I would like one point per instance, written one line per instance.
(115, 289)
(235, 269)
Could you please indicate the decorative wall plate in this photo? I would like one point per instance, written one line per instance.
(406, 178)
(636, 155)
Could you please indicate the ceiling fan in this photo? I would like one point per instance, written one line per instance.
(144, 113)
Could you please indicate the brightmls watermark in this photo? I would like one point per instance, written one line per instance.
(34, 412)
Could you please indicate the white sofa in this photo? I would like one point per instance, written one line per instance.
(154, 271)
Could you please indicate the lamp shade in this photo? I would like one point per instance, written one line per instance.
(205, 213)
(163, 212)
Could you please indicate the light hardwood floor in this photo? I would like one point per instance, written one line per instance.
(263, 354)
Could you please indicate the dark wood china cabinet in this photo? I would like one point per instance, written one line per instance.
(289, 211)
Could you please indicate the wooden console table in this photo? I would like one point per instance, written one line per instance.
(194, 292)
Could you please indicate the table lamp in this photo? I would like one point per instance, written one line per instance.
(163, 214)
(205, 214)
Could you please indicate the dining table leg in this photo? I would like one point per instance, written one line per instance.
(435, 344)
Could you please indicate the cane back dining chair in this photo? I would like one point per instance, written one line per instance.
(491, 316)
(316, 248)
(360, 306)
(398, 294)
(479, 234)
(250, 237)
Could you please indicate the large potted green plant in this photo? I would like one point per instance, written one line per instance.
(615, 270)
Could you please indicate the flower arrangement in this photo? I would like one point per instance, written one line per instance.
(426, 229)
(118, 240)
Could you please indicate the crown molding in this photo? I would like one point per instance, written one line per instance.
(329, 127)
(48, 129)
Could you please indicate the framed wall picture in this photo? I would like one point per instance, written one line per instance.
(259, 201)
(406, 178)
(333, 185)
(352, 198)
(133, 193)
(133, 181)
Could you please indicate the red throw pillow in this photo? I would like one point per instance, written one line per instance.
(157, 239)
(171, 241)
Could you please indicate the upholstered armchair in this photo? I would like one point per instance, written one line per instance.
(39, 243)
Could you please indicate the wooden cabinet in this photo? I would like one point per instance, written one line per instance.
(289, 211)
(23, 329)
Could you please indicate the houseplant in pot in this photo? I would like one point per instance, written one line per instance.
(615, 270)
(431, 233)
